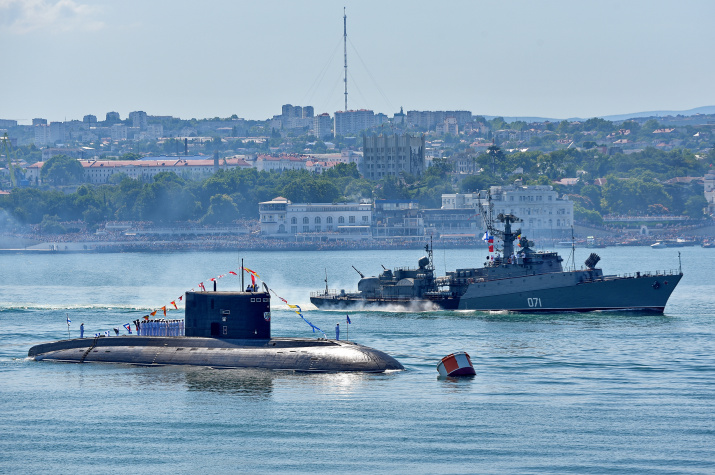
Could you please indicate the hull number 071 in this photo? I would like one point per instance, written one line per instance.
(534, 302)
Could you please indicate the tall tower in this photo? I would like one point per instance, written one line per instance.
(345, 55)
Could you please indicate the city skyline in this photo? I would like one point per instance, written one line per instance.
(70, 58)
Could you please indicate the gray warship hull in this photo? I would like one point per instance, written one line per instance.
(552, 292)
(292, 354)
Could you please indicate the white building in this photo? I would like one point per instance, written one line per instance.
(119, 132)
(99, 171)
(152, 132)
(139, 119)
(322, 125)
(710, 192)
(353, 122)
(392, 155)
(42, 135)
(281, 218)
(543, 212)
(448, 126)
(280, 163)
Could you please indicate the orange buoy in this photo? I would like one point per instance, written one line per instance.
(456, 364)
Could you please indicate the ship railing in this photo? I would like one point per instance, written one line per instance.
(649, 274)
(332, 293)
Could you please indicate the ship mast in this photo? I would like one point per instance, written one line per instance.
(507, 236)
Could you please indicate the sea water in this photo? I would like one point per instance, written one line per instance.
(600, 392)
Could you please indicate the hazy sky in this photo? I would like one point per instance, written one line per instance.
(67, 58)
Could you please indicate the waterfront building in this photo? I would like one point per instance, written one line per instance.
(544, 213)
(281, 218)
(392, 155)
(36, 122)
(397, 219)
(710, 192)
(453, 223)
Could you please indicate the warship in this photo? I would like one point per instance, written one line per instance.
(522, 280)
(222, 330)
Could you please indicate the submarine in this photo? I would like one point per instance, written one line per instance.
(222, 330)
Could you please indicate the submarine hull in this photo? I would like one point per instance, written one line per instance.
(292, 354)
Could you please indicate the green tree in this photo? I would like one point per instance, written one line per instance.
(62, 170)
(51, 225)
(221, 210)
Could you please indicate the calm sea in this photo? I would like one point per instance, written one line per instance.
(564, 393)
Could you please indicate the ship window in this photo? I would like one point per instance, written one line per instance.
(225, 312)
(225, 330)
(253, 300)
(265, 300)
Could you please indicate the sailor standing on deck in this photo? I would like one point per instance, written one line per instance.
(337, 331)
(81, 330)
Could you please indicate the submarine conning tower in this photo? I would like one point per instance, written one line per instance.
(229, 315)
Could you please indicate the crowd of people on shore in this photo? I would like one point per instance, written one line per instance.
(145, 237)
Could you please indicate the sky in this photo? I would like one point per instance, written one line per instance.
(63, 59)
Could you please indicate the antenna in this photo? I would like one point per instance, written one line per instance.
(326, 281)
(573, 250)
(345, 55)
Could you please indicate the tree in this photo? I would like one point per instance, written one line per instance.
(62, 170)
(222, 210)
(695, 206)
(51, 225)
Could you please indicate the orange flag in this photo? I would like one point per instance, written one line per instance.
(173, 302)
(153, 314)
(164, 309)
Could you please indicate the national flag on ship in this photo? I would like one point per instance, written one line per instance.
(348, 317)
(488, 238)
